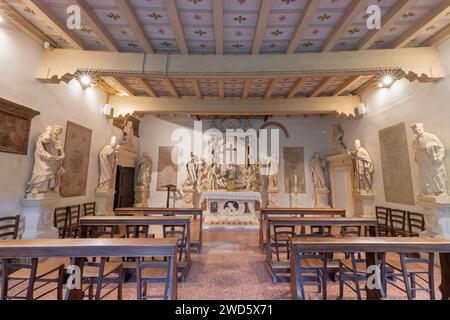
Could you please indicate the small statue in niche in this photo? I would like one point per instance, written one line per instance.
(317, 170)
(128, 132)
(48, 158)
(338, 145)
(107, 161)
(429, 155)
(145, 171)
(363, 168)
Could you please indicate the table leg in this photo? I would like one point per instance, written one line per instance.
(296, 285)
(172, 283)
(445, 275)
(76, 293)
(373, 293)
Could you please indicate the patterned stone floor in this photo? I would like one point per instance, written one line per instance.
(231, 267)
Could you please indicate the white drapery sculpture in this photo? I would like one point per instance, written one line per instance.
(429, 155)
(363, 168)
(107, 161)
(317, 170)
(144, 171)
(48, 158)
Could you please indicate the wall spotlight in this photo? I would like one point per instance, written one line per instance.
(85, 79)
(388, 81)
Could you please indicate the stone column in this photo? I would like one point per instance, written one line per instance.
(364, 204)
(104, 202)
(437, 215)
(38, 216)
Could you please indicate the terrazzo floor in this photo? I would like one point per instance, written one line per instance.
(231, 267)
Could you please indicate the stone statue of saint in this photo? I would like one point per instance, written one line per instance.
(430, 154)
(192, 170)
(128, 133)
(338, 146)
(363, 168)
(274, 165)
(145, 171)
(215, 180)
(48, 158)
(317, 170)
(107, 158)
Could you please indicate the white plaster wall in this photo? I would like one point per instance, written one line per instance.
(308, 133)
(404, 102)
(57, 103)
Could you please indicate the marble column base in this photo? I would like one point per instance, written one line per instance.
(364, 204)
(104, 202)
(38, 216)
(321, 198)
(437, 215)
(142, 194)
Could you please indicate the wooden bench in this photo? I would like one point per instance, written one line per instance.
(79, 249)
(372, 246)
(183, 265)
(316, 212)
(196, 244)
(281, 267)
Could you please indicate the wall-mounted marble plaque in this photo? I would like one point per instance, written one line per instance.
(167, 169)
(398, 185)
(294, 170)
(15, 124)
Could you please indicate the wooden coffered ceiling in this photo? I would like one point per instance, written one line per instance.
(178, 42)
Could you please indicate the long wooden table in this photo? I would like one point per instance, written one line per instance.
(183, 266)
(371, 246)
(196, 244)
(281, 267)
(301, 212)
(78, 249)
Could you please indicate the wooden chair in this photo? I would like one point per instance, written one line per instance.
(397, 220)
(44, 273)
(410, 270)
(151, 272)
(382, 215)
(74, 214)
(9, 227)
(321, 230)
(89, 209)
(280, 238)
(416, 224)
(99, 273)
(312, 270)
(61, 222)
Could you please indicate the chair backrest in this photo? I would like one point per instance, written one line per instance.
(398, 219)
(178, 232)
(89, 209)
(416, 222)
(137, 231)
(61, 221)
(9, 227)
(74, 215)
(351, 231)
(382, 214)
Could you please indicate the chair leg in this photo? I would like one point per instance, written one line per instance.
(5, 279)
(59, 289)
(431, 277)
(413, 285)
(120, 284)
(406, 277)
(101, 272)
(341, 284)
(32, 279)
(138, 280)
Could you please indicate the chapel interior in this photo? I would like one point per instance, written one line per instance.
(224, 149)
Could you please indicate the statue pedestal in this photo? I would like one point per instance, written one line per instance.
(272, 197)
(104, 201)
(38, 216)
(364, 204)
(142, 194)
(190, 198)
(437, 215)
(321, 198)
(341, 178)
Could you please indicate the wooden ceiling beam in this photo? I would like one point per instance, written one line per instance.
(388, 20)
(235, 107)
(353, 10)
(53, 21)
(349, 82)
(261, 25)
(197, 90)
(128, 11)
(438, 38)
(221, 84)
(90, 18)
(322, 85)
(297, 86)
(173, 91)
(423, 24)
(147, 86)
(302, 25)
(246, 89)
(273, 83)
(105, 86)
(218, 25)
(177, 27)
(371, 83)
(122, 86)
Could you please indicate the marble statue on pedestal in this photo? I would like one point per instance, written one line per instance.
(363, 169)
(429, 155)
(127, 144)
(273, 168)
(317, 170)
(338, 146)
(252, 177)
(48, 158)
(192, 172)
(107, 161)
(142, 190)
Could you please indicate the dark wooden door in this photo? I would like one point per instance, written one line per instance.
(124, 197)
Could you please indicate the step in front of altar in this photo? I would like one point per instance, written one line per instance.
(248, 222)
